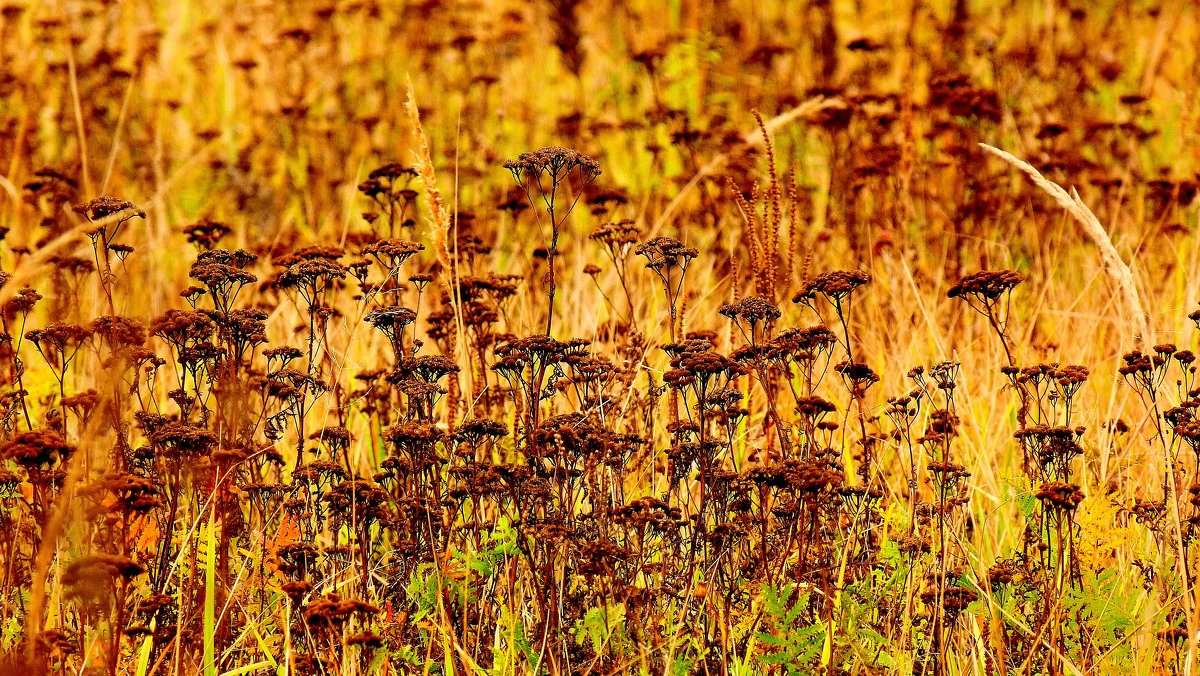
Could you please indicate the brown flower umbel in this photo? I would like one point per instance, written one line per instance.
(107, 206)
(206, 233)
(390, 188)
(554, 164)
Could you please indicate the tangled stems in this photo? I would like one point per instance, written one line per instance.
(1146, 373)
(837, 288)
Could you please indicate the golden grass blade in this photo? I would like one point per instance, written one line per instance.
(1117, 268)
(439, 226)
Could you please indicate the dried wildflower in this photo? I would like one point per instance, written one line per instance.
(413, 437)
(554, 163)
(753, 316)
(803, 346)
(960, 98)
(912, 545)
(297, 558)
(222, 273)
(988, 293)
(132, 493)
(389, 186)
(318, 473)
(1070, 379)
(430, 368)
(121, 251)
(814, 408)
(420, 281)
(361, 500)
(58, 344)
(183, 440)
(392, 253)
(296, 590)
(618, 239)
(180, 327)
(93, 576)
(37, 449)
(49, 182)
(106, 206)
(1194, 315)
(858, 376)
(367, 639)
(392, 321)
(333, 611)
(954, 599)
(549, 171)
(474, 431)
(82, 404)
(336, 437)
(1060, 495)
(311, 277)
(985, 286)
(22, 302)
(206, 233)
(666, 253)
(836, 286)
(283, 354)
(669, 259)
(239, 331)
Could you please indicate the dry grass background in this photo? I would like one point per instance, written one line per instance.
(267, 116)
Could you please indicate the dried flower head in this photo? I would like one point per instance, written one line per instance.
(985, 286)
(554, 163)
(106, 206)
(37, 449)
(835, 286)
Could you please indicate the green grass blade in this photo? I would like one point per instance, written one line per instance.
(210, 596)
(248, 669)
(143, 660)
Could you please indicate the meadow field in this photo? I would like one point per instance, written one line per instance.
(718, 337)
